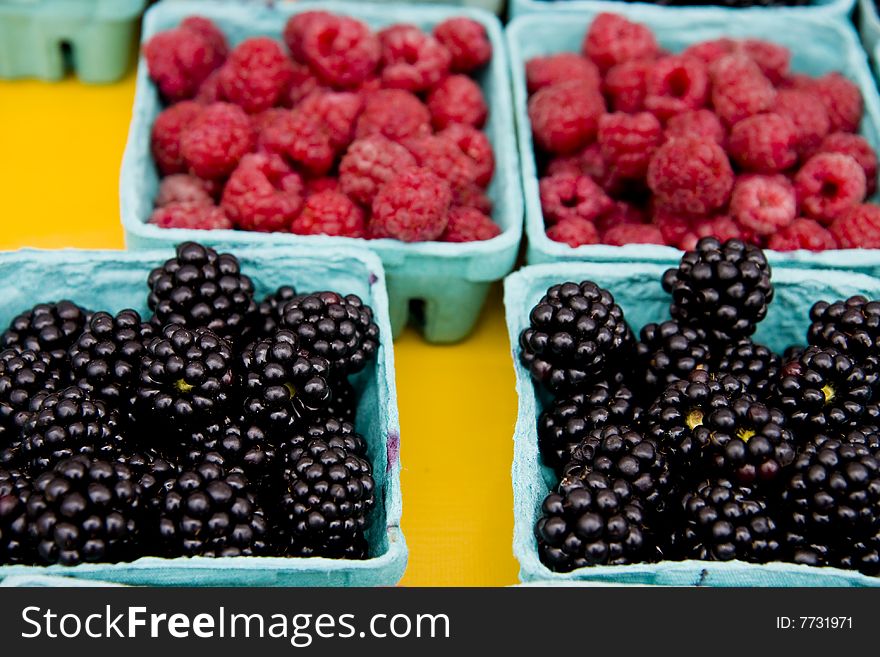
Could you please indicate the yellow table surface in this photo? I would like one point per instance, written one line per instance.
(60, 149)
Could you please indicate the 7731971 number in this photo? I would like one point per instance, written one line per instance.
(826, 622)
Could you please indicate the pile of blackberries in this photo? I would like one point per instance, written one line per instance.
(218, 426)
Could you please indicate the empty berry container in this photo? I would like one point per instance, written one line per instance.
(842, 8)
(637, 289)
(42, 38)
(446, 282)
(114, 280)
(818, 46)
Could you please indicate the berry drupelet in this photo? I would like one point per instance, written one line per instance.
(755, 365)
(200, 288)
(576, 334)
(23, 374)
(335, 433)
(668, 352)
(853, 328)
(271, 311)
(243, 446)
(722, 288)
(47, 328)
(15, 544)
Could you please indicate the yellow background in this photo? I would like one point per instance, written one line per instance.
(60, 150)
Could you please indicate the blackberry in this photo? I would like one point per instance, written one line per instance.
(592, 521)
(722, 288)
(283, 382)
(200, 288)
(85, 510)
(208, 512)
(722, 521)
(335, 327)
(15, 546)
(67, 423)
(863, 556)
(823, 391)
(242, 445)
(105, 359)
(335, 433)
(187, 377)
(23, 374)
(620, 452)
(853, 328)
(868, 435)
(151, 471)
(668, 352)
(326, 498)
(569, 420)
(47, 328)
(755, 365)
(271, 311)
(576, 335)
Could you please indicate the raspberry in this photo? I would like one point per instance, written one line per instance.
(613, 39)
(411, 59)
(858, 227)
(467, 43)
(565, 116)
(711, 51)
(300, 137)
(443, 156)
(208, 30)
(719, 226)
(216, 140)
(395, 114)
(337, 111)
(179, 60)
(628, 141)
(674, 227)
(209, 90)
(807, 113)
(302, 83)
(691, 176)
(739, 89)
(370, 163)
(574, 232)
(802, 234)
(472, 196)
(342, 51)
(698, 123)
(828, 184)
(842, 100)
(626, 86)
(857, 148)
(764, 143)
(318, 185)
(621, 214)
(295, 30)
(457, 99)
(475, 144)
(763, 204)
(572, 196)
(773, 60)
(265, 119)
(587, 162)
(263, 194)
(330, 213)
(552, 69)
(183, 188)
(676, 84)
(469, 225)
(413, 206)
(165, 137)
(256, 74)
(632, 234)
(190, 215)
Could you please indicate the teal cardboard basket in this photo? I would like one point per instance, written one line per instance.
(40, 38)
(448, 281)
(818, 45)
(841, 8)
(636, 288)
(113, 280)
(869, 25)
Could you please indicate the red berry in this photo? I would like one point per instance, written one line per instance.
(720, 226)
(772, 58)
(613, 39)
(301, 138)
(622, 213)
(179, 60)
(828, 184)
(842, 100)
(859, 149)
(467, 43)
(626, 85)
(802, 234)
(411, 59)
(295, 30)
(587, 162)
(412, 207)
(183, 188)
(676, 84)
(472, 196)
(574, 232)
(342, 51)
(701, 123)
(475, 144)
(196, 216)
(256, 75)
(763, 143)
(570, 196)
(858, 227)
(457, 99)
(807, 114)
(395, 114)
(323, 184)
(469, 225)
(330, 213)
(337, 111)
(302, 83)
(711, 51)
(632, 234)
(563, 67)
(210, 91)
(166, 133)
(675, 228)
(369, 163)
(208, 30)
(444, 157)
(628, 141)
(763, 204)
(565, 116)
(691, 176)
(263, 194)
(216, 140)
(739, 88)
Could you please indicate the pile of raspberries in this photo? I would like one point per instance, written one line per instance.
(636, 145)
(337, 130)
